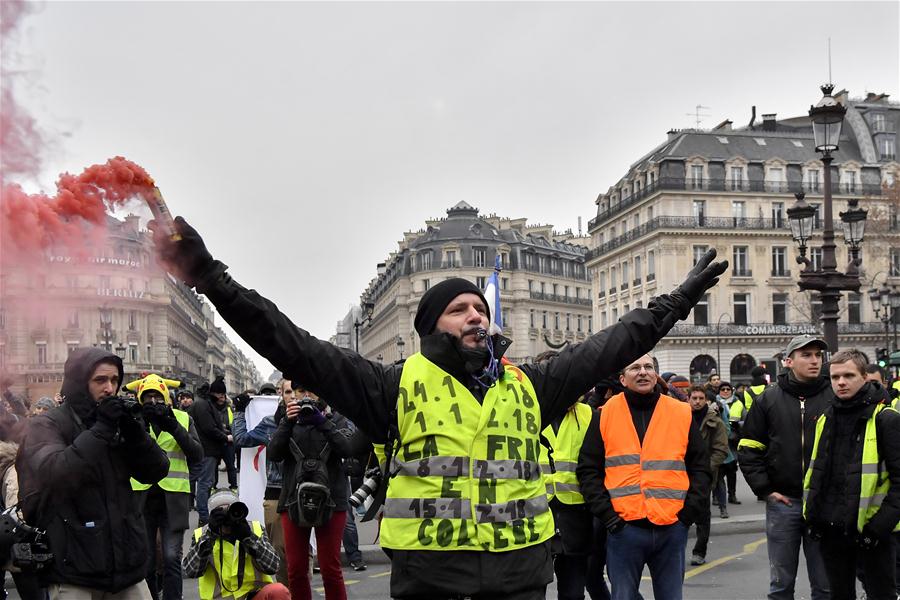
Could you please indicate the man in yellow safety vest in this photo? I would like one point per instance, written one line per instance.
(852, 486)
(166, 503)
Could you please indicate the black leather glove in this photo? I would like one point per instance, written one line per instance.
(867, 540)
(240, 402)
(109, 412)
(703, 276)
(241, 530)
(187, 258)
(166, 420)
(133, 428)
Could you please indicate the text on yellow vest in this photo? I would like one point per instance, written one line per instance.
(467, 473)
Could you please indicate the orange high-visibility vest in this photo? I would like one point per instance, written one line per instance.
(649, 481)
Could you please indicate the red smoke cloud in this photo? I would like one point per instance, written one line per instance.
(32, 223)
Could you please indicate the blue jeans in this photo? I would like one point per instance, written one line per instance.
(351, 539)
(785, 530)
(205, 483)
(660, 548)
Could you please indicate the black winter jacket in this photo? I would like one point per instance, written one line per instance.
(777, 436)
(344, 439)
(210, 427)
(591, 469)
(366, 392)
(76, 485)
(835, 476)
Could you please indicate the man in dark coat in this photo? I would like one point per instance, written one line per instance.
(75, 467)
(213, 438)
(452, 319)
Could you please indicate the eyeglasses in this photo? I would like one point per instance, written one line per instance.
(635, 369)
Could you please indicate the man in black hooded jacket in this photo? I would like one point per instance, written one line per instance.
(75, 466)
(451, 320)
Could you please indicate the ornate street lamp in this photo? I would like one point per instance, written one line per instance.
(106, 326)
(368, 311)
(827, 117)
(886, 305)
(400, 345)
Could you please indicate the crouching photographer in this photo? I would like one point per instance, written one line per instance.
(232, 556)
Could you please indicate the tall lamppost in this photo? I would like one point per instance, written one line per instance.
(718, 343)
(827, 117)
(368, 310)
(176, 351)
(400, 345)
(886, 304)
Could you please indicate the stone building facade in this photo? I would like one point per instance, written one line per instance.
(729, 189)
(544, 287)
(112, 295)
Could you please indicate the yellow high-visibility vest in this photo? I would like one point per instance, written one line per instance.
(178, 479)
(220, 580)
(566, 444)
(467, 473)
(875, 483)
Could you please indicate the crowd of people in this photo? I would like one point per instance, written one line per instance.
(494, 477)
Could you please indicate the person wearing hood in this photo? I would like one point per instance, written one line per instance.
(852, 486)
(213, 436)
(466, 511)
(166, 504)
(75, 466)
(774, 452)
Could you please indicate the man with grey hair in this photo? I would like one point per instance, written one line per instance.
(775, 449)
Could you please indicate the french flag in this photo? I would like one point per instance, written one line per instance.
(492, 295)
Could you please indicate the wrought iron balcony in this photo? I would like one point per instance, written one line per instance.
(729, 185)
(757, 329)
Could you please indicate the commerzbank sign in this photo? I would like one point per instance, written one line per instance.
(766, 329)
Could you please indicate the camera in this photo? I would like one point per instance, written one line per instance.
(307, 406)
(234, 515)
(364, 495)
(26, 545)
(133, 407)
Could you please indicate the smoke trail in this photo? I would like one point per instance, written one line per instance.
(32, 223)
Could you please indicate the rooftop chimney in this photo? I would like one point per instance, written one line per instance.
(769, 122)
(380, 268)
(752, 117)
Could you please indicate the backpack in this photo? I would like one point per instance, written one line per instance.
(310, 503)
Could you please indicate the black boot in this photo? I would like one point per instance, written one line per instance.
(732, 499)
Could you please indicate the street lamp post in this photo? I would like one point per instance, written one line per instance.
(368, 309)
(719, 344)
(106, 326)
(827, 117)
(400, 345)
(886, 304)
(176, 350)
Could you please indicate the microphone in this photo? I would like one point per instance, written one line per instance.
(480, 334)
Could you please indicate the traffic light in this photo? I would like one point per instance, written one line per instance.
(881, 357)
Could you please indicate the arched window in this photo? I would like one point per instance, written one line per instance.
(741, 365)
(701, 366)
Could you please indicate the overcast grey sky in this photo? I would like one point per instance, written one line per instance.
(303, 139)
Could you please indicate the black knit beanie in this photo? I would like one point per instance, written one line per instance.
(436, 299)
(217, 386)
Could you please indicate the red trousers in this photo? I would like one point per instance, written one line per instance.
(328, 541)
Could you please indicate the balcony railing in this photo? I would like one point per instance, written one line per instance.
(729, 185)
(883, 127)
(651, 277)
(742, 272)
(703, 222)
(756, 329)
(781, 273)
(636, 282)
(560, 298)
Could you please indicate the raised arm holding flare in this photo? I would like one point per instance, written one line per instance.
(466, 478)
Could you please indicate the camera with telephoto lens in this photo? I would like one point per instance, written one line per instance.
(235, 514)
(27, 546)
(364, 495)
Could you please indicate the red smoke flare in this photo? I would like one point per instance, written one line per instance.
(32, 223)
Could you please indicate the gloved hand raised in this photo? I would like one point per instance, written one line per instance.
(240, 402)
(703, 276)
(242, 530)
(161, 416)
(187, 259)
